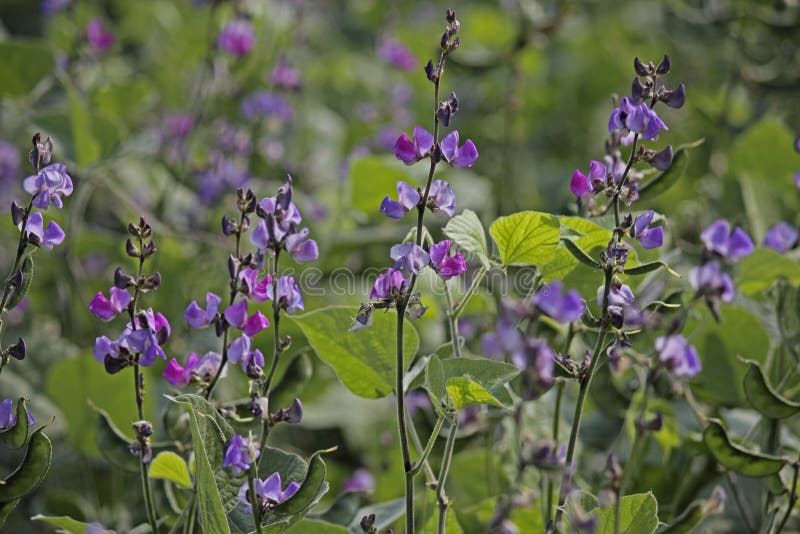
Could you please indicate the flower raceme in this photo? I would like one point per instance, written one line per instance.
(410, 151)
(636, 118)
(197, 368)
(441, 200)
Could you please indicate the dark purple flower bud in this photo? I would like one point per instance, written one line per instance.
(151, 283)
(638, 91)
(409, 257)
(253, 369)
(410, 152)
(781, 237)
(648, 237)
(149, 249)
(131, 249)
(237, 38)
(430, 70)
(41, 152)
(407, 199)
(535, 359)
(675, 98)
(581, 184)
(122, 280)
(651, 425)
(463, 156)
(17, 213)
(18, 349)
(441, 199)
(450, 16)
(678, 356)
(364, 317)
(564, 307)
(548, 456)
(445, 265)
(732, 245)
(664, 66)
(295, 412)
(361, 481)
(197, 317)
(640, 68)
(443, 113)
(239, 453)
(228, 226)
(142, 429)
(108, 308)
(454, 45)
(708, 280)
(17, 279)
(662, 160)
(114, 365)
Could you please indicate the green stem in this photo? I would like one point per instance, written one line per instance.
(476, 282)
(444, 502)
(412, 433)
(251, 476)
(452, 319)
(276, 321)
(556, 424)
(429, 447)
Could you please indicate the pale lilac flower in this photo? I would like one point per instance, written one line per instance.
(709, 280)
(731, 245)
(678, 356)
(463, 156)
(197, 317)
(638, 118)
(581, 184)
(445, 265)
(648, 237)
(237, 38)
(441, 199)
(269, 492)
(410, 152)
(49, 185)
(409, 257)
(98, 37)
(407, 199)
(302, 249)
(108, 308)
(288, 296)
(46, 238)
(397, 55)
(564, 307)
(285, 76)
(781, 237)
(361, 481)
(263, 104)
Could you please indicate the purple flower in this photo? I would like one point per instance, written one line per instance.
(105, 347)
(361, 481)
(285, 76)
(463, 156)
(279, 217)
(288, 296)
(678, 356)
(177, 126)
(196, 367)
(580, 184)
(197, 317)
(648, 237)
(535, 360)
(506, 340)
(441, 199)
(45, 238)
(263, 104)
(237, 38)
(781, 237)
(257, 290)
(48, 186)
(710, 281)
(107, 309)
(417, 400)
(388, 285)
(268, 492)
(239, 454)
(8, 417)
(236, 315)
(99, 38)
(302, 249)
(239, 352)
(51, 7)
(152, 331)
(555, 303)
(731, 245)
(621, 305)
(630, 117)
(397, 55)
(407, 199)
(447, 266)
(410, 152)
(223, 173)
(409, 257)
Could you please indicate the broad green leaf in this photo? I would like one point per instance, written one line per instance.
(22, 290)
(586, 235)
(113, 443)
(467, 232)
(25, 64)
(30, 473)
(65, 523)
(526, 238)
(645, 268)
(169, 466)
(316, 526)
(16, 436)
(208, 449)
(763, 397)
(477, 380)
(758, 271)
(365, 360)
(717, 345)
(386, 513)
(736, 457)
(665, 180)
(372, 178)
(638, 513)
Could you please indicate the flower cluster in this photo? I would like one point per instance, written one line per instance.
(237, 38)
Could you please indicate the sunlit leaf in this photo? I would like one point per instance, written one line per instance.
(169, 466)
(526, 238)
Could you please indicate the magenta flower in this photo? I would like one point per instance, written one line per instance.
(781, 237)
(268, 492)
(285, 76)
(388, 285)
(236, 315)
(49, 185)
(410, 152)
(441, 199)
(397, 55)
(98, 37)
(257, 290)
(580, 184)
(678, 356)
(107, 309)
(45, 238)
(197, 317)
(709, 280)
(237, 38)
(445, 265)
(361, 481)
(409, 257)
(463, 156)
(203, 368)
(648, 237)
(288, 295)
(407, 199)
(637, 118)
(239, 454)
(564, 307)
(731, 245)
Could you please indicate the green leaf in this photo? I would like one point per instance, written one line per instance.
(763, 397)
(386, 513)
(758, 271)
(291, 467)
(736, 457)
(22, 290)
(467, 232)
(87, 147)
(169, 466)
(30, 473)
(16, 436)
(25, 64)
(526, 238)
(65, 523)
(586, 235)
(579, 254)
(638, 513)
(343, 510)
(645, 268)
(208, 441)
(113, 443)
(5, 510)
(311, 490)
(315, 526)
(464, 381)
(365, 360)
(664, 181)
(371, 179)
